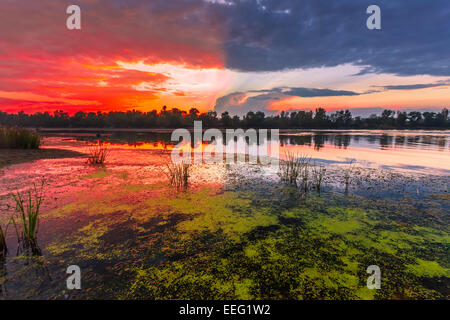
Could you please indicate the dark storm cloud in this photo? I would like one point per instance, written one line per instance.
(309, 93)
(413, 86)
(267, 35)
(416, 86)
(238, 102)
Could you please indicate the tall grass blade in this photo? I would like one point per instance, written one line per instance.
(28, 209)
(3, 246)
(318, 172)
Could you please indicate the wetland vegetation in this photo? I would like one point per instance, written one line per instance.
(98, 154)
(339, 202)
(19, 138)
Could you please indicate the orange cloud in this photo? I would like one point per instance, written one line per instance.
(395, 99)
(43, 62)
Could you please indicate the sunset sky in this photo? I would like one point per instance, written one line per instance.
(224, 55)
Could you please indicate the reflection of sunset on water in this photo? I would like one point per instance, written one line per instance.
(398, 158)
(425, 151)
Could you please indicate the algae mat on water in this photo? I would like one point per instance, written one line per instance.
(317, 249)
(261, 243)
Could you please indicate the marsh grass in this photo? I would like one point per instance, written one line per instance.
(347, 175)
(19, 138)
(3, 247)
(305, 177)
(293, 167)
(318, 174)
(98, 154)
(27, 209)
(178, 175)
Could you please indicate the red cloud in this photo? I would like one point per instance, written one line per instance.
(40, 58)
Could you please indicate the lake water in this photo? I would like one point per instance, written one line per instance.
(237, 231)
(425, 151)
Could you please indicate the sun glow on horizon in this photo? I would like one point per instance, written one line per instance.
(122, 85)
(184, 84)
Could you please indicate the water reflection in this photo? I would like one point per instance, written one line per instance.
(412, 150)
(438, 140)
(370, 140)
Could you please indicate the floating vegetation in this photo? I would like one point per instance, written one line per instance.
(27, 207)
(178, 175)
(244, 249)
(98, 154)
(291, 168)
(19, 138)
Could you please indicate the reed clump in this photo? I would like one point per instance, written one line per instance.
(347, 175)
(318, 174)
(293, 167)
(178, 175)
(98, 154)
(19, 138)
(27, 209)
(305, 183)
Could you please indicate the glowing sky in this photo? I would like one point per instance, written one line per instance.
(223, 55)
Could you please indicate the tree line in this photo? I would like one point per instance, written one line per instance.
(176, 118)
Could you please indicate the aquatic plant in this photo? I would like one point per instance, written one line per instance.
(178, 175)
(347, 175)
(305, 177)
(3, 247)
(27, 207)
(291, 168)
(318, 172)
(98, 154)
(19, 138)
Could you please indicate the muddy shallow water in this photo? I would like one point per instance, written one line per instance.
(237, 232)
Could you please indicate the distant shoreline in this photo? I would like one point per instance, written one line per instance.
(167, 120)
(169, 130)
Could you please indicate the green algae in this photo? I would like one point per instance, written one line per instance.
(226, 246)
(100, 174)
(206, 244)
(425, 268)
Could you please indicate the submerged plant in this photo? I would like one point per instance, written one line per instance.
(318, 172)
(98, 154)
(178, 175)
(19, 138)
(292, 167)
(27, 208)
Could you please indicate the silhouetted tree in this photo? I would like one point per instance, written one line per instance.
(176, 118)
